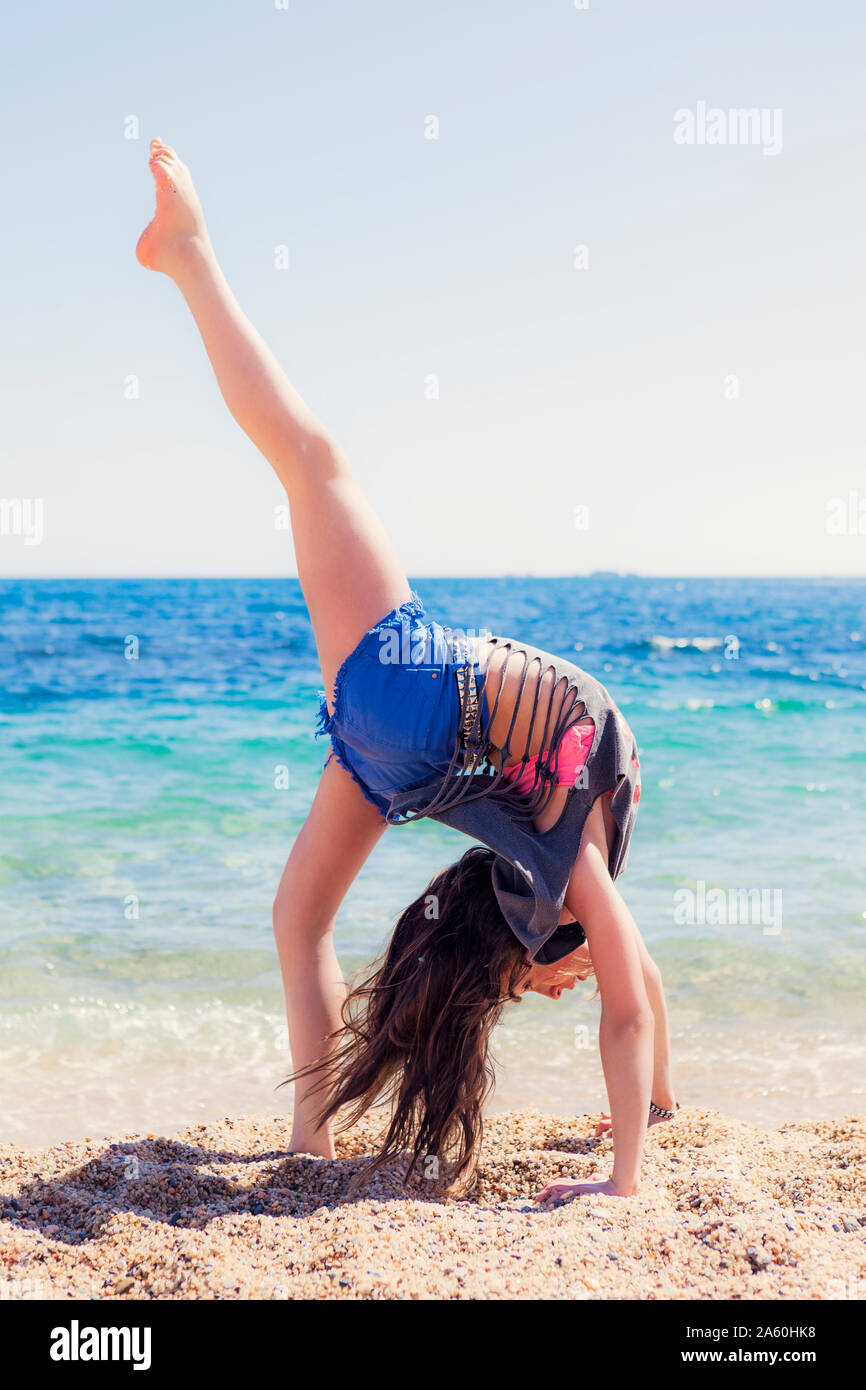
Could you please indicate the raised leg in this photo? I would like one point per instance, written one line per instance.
(350, 576)
(348, 569)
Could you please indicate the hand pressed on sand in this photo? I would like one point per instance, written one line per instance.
(604, 1129)
(567, 1187)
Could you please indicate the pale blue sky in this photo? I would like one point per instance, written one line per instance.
(559, 388)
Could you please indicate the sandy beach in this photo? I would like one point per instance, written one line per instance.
(221, 1211)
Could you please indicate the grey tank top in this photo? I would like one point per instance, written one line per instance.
(531, 869)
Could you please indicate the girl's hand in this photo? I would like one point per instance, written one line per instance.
(604, 1125)
(565, 1187)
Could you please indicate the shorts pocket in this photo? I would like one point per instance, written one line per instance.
(388, 704)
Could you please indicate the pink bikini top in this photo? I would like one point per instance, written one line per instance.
(574, 748)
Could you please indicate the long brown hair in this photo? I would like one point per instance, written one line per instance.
(416, 1030)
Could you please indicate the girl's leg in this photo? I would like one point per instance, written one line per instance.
(348, 569)
(350, 576)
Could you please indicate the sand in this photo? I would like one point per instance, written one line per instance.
(221, 1211)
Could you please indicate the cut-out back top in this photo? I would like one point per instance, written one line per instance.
(417, 744)
(531, 870)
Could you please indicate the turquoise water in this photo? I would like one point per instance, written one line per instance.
(143, 727)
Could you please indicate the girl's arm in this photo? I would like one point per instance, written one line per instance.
(334, 842)
(662, 1085)
(663, 1092)
(627, 1026)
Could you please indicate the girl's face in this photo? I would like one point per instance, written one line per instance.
(553, 979)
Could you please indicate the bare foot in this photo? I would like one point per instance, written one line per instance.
(319, 1142)
(179, 221)
(315, 1148)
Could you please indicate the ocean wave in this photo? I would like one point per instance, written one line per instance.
(671, 644)
(90, 1033)
(749, 704)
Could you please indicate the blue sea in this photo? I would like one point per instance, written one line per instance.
(157, 759)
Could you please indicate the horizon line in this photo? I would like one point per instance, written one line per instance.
(504, 574)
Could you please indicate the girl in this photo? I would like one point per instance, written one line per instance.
(523, 751)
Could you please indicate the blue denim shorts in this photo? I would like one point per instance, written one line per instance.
(397, 704)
